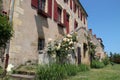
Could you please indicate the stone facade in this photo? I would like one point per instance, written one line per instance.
(99, 51)
(29, 25)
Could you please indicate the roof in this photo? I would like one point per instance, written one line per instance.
(82, 8)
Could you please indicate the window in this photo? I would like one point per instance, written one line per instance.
(75, 24)
(41, 44)
(59, 14)
(45, 8)
(81, 16)
(66, 1)
(84, 49)
(42, 4)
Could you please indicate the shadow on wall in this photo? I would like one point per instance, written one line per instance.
(41, 22)
(61, 30)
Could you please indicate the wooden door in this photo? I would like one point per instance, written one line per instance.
(79, 55)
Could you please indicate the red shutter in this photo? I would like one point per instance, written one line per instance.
(55, 11)
(70, 4)
(34, 3)
(50, 8)
(64, 15)
(66, 23)
(74, 5)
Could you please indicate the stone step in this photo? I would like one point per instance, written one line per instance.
(22, 77)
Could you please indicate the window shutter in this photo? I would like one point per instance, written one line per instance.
(64, 0)
(74, 7)
(70, 4)
(55, 11)
(50, 8)
(64, 15)
(34, 3)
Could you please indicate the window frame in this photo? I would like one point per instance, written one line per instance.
(67, 17)
(59, 11)
(66, 1)
(42, 4)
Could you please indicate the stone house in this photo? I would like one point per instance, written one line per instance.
(99, 51)
(37, 21)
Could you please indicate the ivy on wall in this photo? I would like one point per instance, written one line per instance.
(6, 31)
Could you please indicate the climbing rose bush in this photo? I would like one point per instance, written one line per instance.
(61, 48)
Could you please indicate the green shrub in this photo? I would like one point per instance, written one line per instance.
(83, 67)
(97, 64)
(71, 69)
(56, 71)
(106, 61)
(51, 72)
(115, 58)
(6, 30)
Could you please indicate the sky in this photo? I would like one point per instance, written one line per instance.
(104, 19)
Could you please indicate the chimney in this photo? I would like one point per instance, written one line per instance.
(90, 30)
(95, 35)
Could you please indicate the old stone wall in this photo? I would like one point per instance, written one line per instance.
(99, 49)
(28, 26)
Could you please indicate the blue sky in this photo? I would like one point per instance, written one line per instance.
(104, 19)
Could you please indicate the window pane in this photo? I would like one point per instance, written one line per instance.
(59, 14)
(41, 43)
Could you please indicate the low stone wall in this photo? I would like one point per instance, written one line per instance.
(44, 58)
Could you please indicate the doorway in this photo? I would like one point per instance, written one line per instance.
(79, 55)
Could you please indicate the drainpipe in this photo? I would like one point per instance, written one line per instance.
(10, 20)
(11, 10)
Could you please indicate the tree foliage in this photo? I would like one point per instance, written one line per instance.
(115, 57)
(6, 31)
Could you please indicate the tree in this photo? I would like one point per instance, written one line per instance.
(6, 31)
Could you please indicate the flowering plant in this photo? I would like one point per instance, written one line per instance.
(61, 49)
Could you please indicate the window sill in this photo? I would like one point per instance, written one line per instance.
(42, 13)
(61, 24)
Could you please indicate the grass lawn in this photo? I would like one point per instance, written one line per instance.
(107, 73)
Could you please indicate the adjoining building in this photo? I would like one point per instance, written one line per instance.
(37, 21)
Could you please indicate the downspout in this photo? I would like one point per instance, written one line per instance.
(11, 11)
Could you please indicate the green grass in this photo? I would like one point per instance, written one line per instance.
(107, 73)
